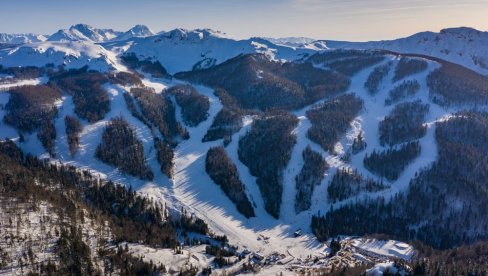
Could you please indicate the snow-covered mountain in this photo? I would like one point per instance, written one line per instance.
(84, 32)
(21, 38)
(136, 31)
(291, 41)
(71, 54)
(184, 50)
(177, 50)
(365, 99)
(465, 46)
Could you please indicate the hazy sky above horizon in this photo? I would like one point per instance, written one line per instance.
(355, 20)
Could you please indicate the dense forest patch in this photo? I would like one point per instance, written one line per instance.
(375, 78)
(254, 81)
(159, 111)
(331, 119)
(404, 123)
(33, 108)
(454, 84)
(126, 78)
(266, 150)
(30, 106)
(390, 163)
(47, 136)
(224, 173)
(352, 66)
(90, 99)
(405, 89)
(165, 155)
(73, 130)
(121, 148)
(311, 174)
(23, 72)
(409, 66)
(227, 121)
(347, 62)
(347, 183)
(194, 106)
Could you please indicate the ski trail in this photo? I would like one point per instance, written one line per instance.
(292, 170)
(374, 113)
(249, 181)
(9, 85)
(194, 188)
(7, 131)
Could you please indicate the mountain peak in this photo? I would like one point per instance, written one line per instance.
(193, 35)
(84, 32)
(460, 30)
(138, 30)
(81, 26)
(139, 27)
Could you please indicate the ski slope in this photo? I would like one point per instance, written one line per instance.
(192, 189)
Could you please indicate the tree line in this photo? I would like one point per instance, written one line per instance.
(266, 150)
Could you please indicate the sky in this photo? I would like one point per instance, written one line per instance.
(353, 20)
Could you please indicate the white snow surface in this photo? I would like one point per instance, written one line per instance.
(136, 31)
(21, 38)
(380, 268)
(71, 54)
(84, 32)
(177, 50)
(290, 41)
(465, 46)
(11, 84)
(191, 187)
(388, 248)
(180, 50)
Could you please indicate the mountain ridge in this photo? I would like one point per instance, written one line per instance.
(461, 45)
(314, 141)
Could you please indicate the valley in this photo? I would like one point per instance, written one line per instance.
(274, 107)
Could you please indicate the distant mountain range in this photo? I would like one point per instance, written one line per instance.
(78, 32)
(242, 155)
(462, 45)
(465, 46)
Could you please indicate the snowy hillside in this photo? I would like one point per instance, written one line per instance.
(291, 41)
(341, 141)
(177, 50)
(72, 54)
(191, 188)
(465, 46)
(183, 50)
(21, 38)
(84, 32)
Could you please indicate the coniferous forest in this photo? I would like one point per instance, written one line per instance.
(266, 149)
(325, 157)
(121, 148)
(224, 173)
